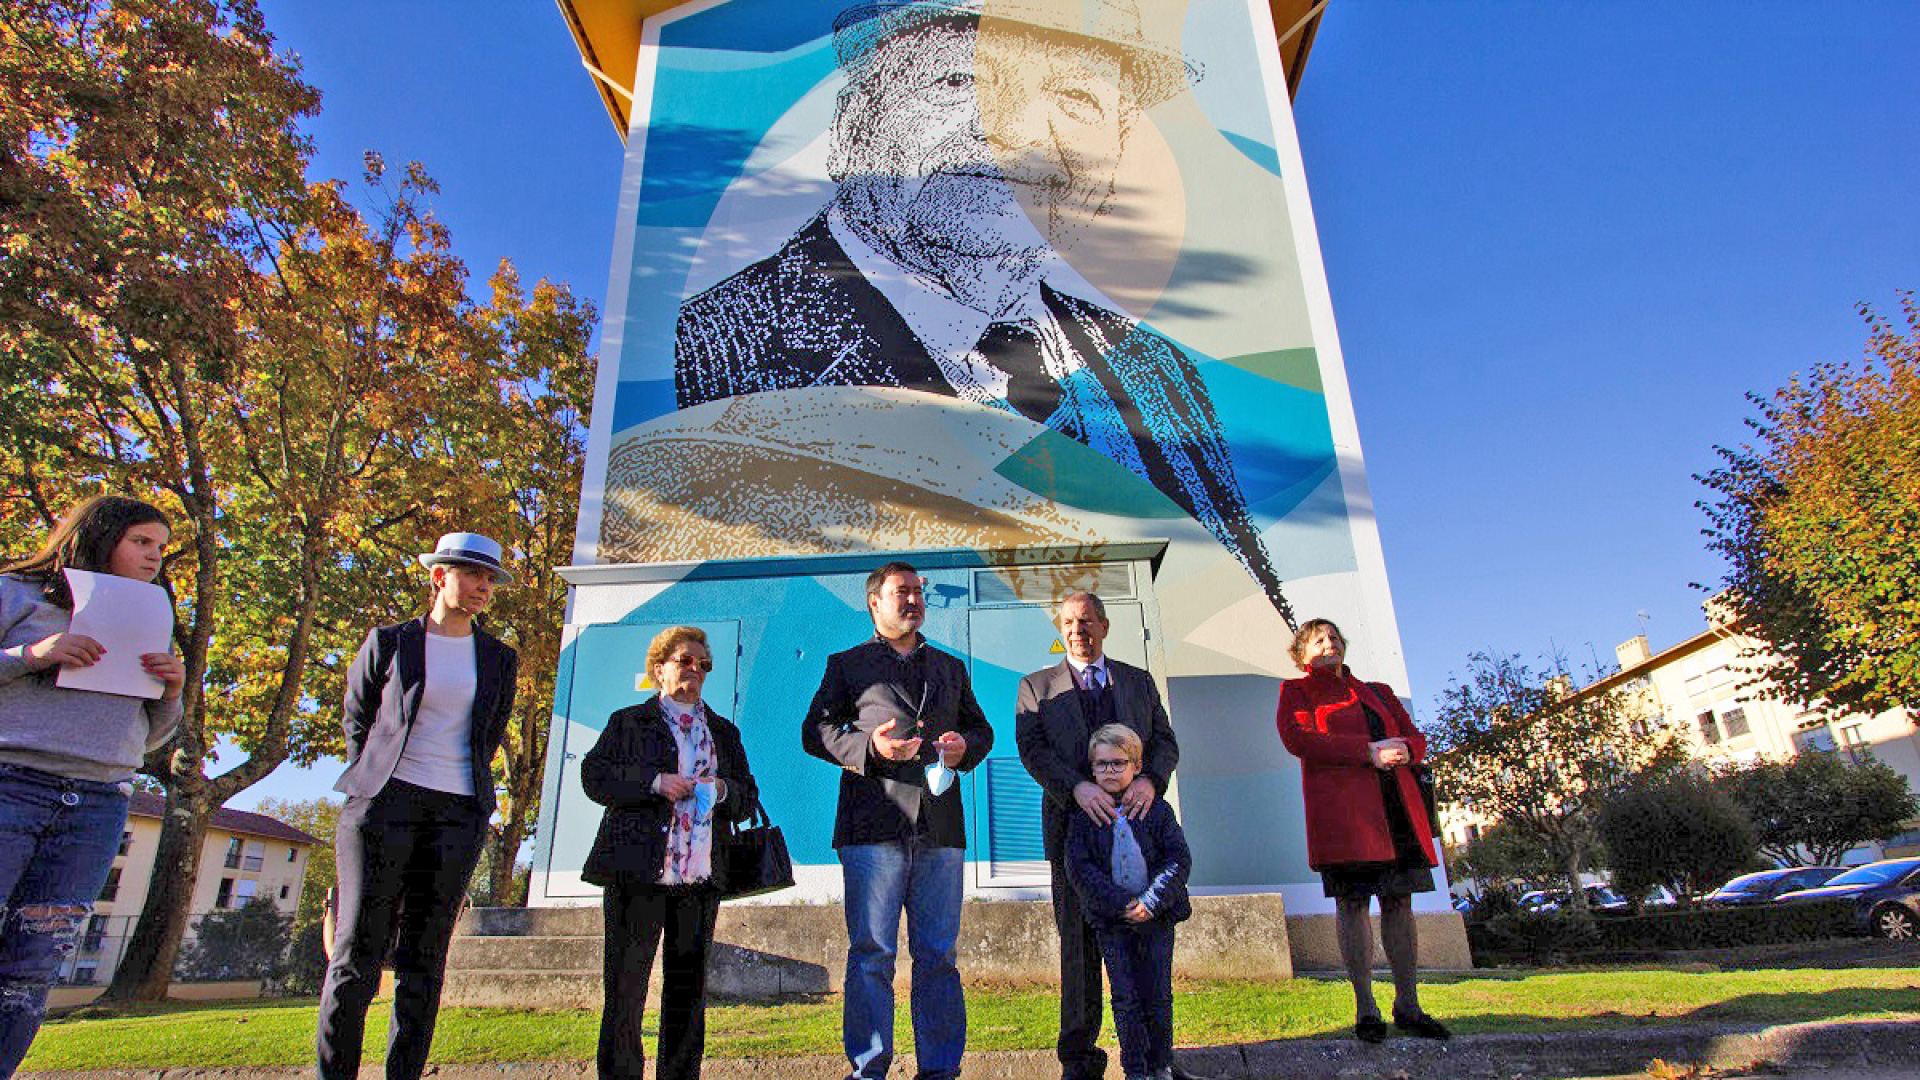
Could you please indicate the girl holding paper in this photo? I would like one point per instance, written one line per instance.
(67, 756)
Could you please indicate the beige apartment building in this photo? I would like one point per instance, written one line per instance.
(1700, 687)
(245, 855)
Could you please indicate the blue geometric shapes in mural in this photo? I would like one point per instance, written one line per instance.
(1254, 150)
(1075, 475)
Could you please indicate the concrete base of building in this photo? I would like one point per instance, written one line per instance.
(550, 958)
(1443, 942)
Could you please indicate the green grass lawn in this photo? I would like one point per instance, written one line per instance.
(1215, 1013)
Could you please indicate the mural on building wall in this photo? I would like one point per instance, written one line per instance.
(970, 273)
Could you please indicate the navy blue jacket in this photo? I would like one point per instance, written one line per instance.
(1090, 867)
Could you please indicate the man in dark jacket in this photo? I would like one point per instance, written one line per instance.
(899, 717)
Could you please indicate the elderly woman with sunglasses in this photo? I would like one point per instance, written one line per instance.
(673, 777)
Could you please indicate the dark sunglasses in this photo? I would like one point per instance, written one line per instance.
(699, 662)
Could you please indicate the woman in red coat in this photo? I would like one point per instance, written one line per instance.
(1367, 830)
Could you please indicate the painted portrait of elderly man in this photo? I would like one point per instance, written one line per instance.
(966, 163)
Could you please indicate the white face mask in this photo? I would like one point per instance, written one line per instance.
(939, 778)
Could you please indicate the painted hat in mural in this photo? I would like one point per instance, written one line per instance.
(1156, 70)
(469, 549)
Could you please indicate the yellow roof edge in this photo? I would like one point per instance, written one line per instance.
(607, 33)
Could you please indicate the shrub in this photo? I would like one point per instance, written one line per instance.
(1557, 936)
(249, 942)
(1680, 830)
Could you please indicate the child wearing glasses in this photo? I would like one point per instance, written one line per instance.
(1132, 879)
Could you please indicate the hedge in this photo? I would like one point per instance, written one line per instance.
(1544, 937)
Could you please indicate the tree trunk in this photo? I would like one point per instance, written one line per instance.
(1576, 892)
(146, 969)
(525, 757)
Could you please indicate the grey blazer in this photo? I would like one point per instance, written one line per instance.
(383, 695)
(1051, 729)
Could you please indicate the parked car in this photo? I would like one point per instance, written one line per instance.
(1767, 885)
(1601, 899)
(1541, 900)
(1886, 897)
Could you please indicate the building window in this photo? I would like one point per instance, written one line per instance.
(1851, 740)
(256, 856)
(86, 974)
(1709, 731)
(112, 887)
(284, 890)
(1734, 721)
(96, 934)
(126, 842)
(243, 891)
(293, 853)
(1815, 739)
(224, 898)
(234, 844)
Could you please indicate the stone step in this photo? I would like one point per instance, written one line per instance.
(732, 972)
(548, 922)
(525, 953)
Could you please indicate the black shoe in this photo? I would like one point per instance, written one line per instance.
(1422, 1025)
(1182, 1074)
(1370, 1029)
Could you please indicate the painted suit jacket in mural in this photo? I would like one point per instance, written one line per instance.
(806, 316)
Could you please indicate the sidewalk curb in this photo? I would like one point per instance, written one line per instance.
(1830, 1044)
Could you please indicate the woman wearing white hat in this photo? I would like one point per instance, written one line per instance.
(427, 702)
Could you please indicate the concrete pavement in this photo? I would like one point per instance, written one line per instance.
(1836, 1050)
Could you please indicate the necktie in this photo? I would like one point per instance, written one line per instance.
(1014, 347)
(1093, 681)
(1129, 862)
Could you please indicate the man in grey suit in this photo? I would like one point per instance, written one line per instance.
(1059, 708)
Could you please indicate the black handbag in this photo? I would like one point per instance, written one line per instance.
(1422, 772)
(757, 859)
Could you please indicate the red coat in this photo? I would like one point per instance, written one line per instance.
(1323, 725)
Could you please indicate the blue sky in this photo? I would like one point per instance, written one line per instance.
(1563, 240)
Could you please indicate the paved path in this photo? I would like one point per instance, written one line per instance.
(1836, 1050)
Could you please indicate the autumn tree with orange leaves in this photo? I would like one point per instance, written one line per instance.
(1818, 519)
(302, 382)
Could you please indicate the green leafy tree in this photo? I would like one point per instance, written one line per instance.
(1502, 855)
(306, 961)
(1818, 519)
(1679, 830)
(247, 942)
(1512, 745)
(1814, 807)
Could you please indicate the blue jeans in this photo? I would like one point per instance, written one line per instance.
(925, 881)
(1140, 968)
(57, 842)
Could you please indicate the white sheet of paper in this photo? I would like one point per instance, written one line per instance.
(129, 618)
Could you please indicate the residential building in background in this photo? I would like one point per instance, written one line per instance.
(1703, 686)
(244, 856)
